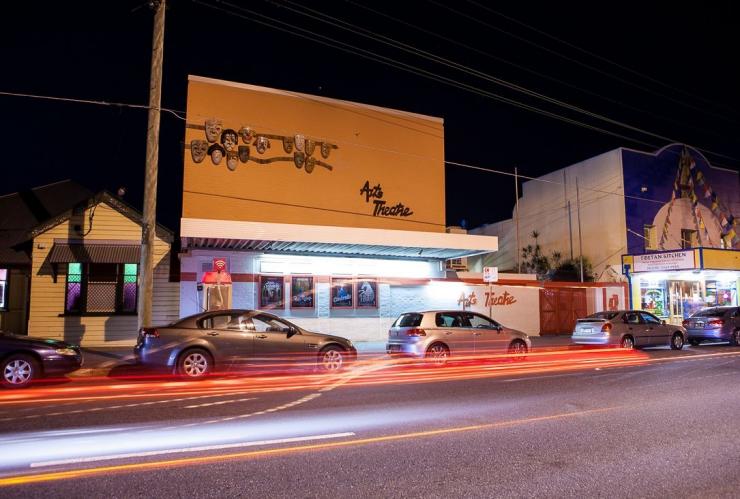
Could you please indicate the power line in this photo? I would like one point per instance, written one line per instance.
(592, 54)
(330, 42)
(526, 69)
(577, 62)
(88, 101)
(333, 21)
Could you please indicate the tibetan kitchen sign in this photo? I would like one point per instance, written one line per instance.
(673, 260)
(258, 154)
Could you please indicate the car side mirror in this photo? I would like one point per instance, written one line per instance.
(663, 322)
(292, 331)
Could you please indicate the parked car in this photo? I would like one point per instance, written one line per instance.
(439, 335)
(714, 324)
(234, 340)
(627, 329)
(24, 359)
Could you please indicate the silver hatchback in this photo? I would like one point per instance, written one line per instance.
(627, 329)
(439, 334)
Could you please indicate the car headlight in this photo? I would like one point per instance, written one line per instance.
(66, 351)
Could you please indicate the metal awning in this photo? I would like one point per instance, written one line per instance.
(94, 253)
(330, 241)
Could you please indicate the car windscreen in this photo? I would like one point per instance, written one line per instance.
(408, 320)
(711, 312)
(603, 315)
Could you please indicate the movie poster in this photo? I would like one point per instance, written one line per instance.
(342, 293)
(301, 292)
(271, 292)
(367, 293)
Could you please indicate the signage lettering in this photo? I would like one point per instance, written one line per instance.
(492, 299)
(380, 206)
(675, 260)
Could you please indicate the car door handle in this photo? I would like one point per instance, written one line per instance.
(212, 333)
(477, 334)
(261, 336)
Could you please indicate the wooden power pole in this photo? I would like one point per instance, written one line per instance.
(149, 226)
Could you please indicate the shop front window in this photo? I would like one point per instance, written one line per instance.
(101, 288)
(653, 297)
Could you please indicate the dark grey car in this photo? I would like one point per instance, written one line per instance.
(714, 324)
(234, 340)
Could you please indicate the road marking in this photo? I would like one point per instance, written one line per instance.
(203, 448)
(220, 402)
(186, 461)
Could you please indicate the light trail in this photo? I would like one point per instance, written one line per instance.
(364, 373)
(191, 461)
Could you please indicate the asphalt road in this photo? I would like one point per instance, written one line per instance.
(574, 423)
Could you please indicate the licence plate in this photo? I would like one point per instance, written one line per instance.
(394, 348)
(587, 329)
(699, 324)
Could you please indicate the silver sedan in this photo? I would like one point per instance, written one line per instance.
(627, 329)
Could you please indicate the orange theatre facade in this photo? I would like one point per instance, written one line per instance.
(328, 212)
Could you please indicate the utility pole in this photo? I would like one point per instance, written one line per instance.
(518, 248)
(149, 226)
(580, 239)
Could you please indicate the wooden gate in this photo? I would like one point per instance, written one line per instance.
(559, 309)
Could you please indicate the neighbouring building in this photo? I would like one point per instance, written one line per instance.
(664, 222)
(70, 259)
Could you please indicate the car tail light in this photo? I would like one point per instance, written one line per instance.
(416, 332)
(606, 328)
(716, 322)
(149, 331)
(685, 323)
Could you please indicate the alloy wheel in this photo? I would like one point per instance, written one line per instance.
(628, 343)
(332, 360)
(438, 354)
(18, 372)
(195, 365)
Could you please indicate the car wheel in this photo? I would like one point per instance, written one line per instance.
(518, 349)
(18, 371)
(677, 341)
(735, 338)
(331, 359)
(195, 363)
(438, 354)
(627, 343)
(695, 343)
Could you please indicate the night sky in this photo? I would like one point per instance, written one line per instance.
(679, 79)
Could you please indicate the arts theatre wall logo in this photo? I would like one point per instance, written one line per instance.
(224, 143)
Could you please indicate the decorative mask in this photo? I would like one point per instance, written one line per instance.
(232, 160)
(300, 141)
(213, 130)
(217, 153)
(247, 134)
(243, 154)
(310, 147)
(229, 139)
(288, 144)
(299, 158)
(262, 144)
(198, 150)
(325, 150)
(310, 164)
